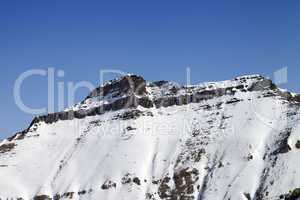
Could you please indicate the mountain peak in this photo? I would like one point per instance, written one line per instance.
(125, 85)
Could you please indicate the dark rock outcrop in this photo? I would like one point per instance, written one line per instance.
(7, 147)
(263, 84)
(108, 185)
(123, 103)
(42, 197)
(126, 85)
(183, 187)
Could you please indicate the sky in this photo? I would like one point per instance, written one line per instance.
(217, 40)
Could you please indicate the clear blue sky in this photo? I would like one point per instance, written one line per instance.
(157, 39)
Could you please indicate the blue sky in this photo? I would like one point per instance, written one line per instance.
(157, 39)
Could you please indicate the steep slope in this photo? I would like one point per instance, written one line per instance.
(236, 139)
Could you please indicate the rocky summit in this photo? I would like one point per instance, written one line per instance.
(133, 139)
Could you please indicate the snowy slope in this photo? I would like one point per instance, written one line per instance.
(236, 139)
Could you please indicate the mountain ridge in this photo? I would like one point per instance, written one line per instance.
(133, 84)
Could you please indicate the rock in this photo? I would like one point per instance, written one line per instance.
(263, 84)
(145, 102)
(292, 195)
(108, 184)
(126, 179)
(130, 128)
(82, 192)
(68, 195)
(247, 195)
(282, 144)
(129, 84)
(295, 194)
(233, 100)
(56, 197)
(132, 114)
(42, 197)
(183, 185)
(158, 83)
(136, 180)
(7, 147)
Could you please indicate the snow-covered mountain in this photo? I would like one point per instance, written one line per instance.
(129, 139)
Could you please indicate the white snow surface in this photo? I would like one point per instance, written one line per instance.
(234, 142)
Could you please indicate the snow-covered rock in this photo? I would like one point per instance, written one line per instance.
(130, 139)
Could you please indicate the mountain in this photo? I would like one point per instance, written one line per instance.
(132, 139)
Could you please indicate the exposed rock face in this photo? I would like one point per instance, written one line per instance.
(263, 84)
(126, 85)
(126, 88)
(108, 185)
(181, 186)
(7, 147)
(41, 197)
(129, 86)
(130, 139)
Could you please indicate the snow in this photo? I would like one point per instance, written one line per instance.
(82, 154)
